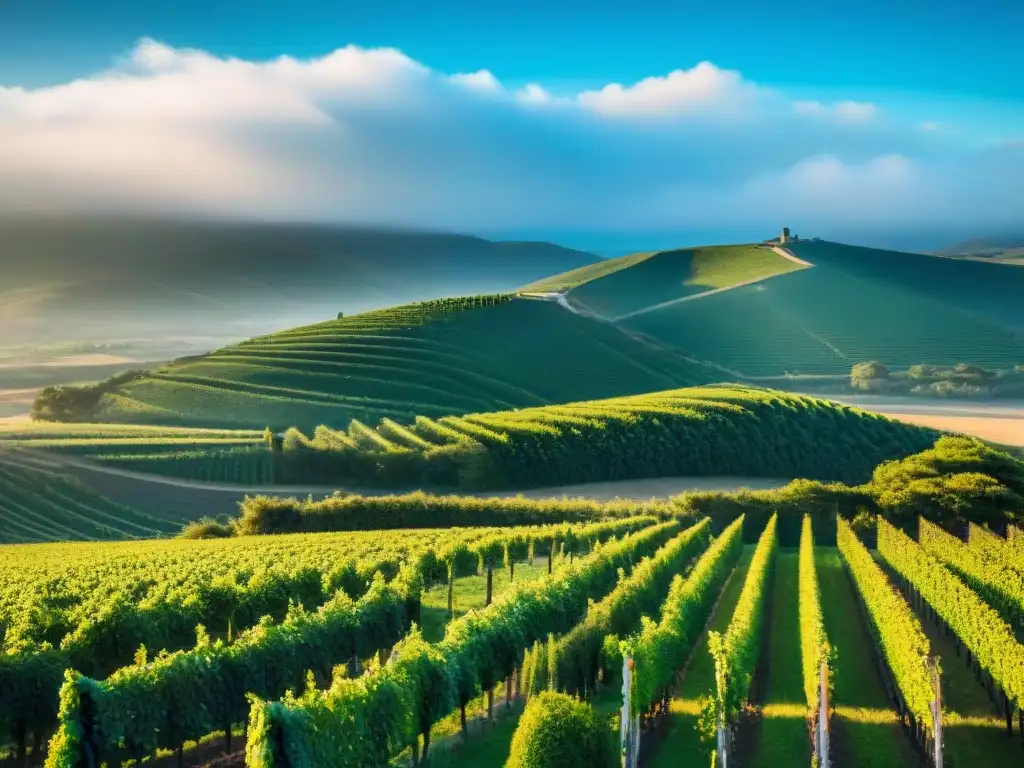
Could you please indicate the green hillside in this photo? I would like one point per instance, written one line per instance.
(855, 304)
(576, 277)
(432, 359)
(38, 505)
(671, 275)
(991, 290)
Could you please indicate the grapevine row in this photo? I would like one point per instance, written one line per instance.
(659, 648)
(34, 677)
(974, 622)
(814, 646)
(996, 547)
(736, 653)
(578, 654)
(1000, 586)
(892, 622)
(364, 721)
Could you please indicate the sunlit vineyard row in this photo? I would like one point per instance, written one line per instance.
(688, 604)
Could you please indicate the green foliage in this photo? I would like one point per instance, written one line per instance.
(481, 648)
(269, 514)
(77, 404)
(206, 528)
(997, 582)
(736, 652)
(641, 593)
(980, 628)
(957, 480)
(815, 649)
(660, 649)
(558, 731)
(864, 375)
(893, 625)
(693, 431)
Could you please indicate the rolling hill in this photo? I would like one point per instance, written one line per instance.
(39, 505)
(67, 279)
(434, 359)
(853, 304)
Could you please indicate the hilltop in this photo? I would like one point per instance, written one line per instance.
(753, 312)
(67, 279)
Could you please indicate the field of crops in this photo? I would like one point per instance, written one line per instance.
(727, 644)
(432, 359)
(723, 430)
(825, 319)
(671, 275)
(38, 505)
(688, 432)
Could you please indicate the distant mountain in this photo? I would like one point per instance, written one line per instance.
(99, 279)
(999, 247)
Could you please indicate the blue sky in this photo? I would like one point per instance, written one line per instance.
(938, 83)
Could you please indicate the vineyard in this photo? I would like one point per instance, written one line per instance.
(381, 648)
(689, 432)
(37, 505)
(435, 358)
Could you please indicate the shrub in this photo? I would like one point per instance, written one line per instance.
(207, 528)
(557, 731)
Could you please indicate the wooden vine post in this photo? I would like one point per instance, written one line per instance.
(629, 726)
(936, 707)
(821, 745)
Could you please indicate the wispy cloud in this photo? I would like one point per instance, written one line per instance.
(373, 135)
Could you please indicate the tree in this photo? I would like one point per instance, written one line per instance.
(866, 376)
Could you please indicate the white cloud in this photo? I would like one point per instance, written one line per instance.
(704, 89)
(481, 80)
(929, 125)
(845, 111)
(373, 135)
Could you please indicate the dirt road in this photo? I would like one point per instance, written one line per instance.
(1001, 421)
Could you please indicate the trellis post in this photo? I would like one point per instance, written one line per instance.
(823, 724)
(936, 707)
(629, 726)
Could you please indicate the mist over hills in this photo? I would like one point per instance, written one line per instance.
(101, 278)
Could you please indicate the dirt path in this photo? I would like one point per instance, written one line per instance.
(998, 421)
(788, 254)
(693, 297)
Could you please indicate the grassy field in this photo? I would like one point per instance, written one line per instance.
(825, 319)
(402, 362)
(671, 275)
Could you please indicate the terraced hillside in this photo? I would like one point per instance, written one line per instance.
(37, 506)
(671, 275)
(433, 359)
